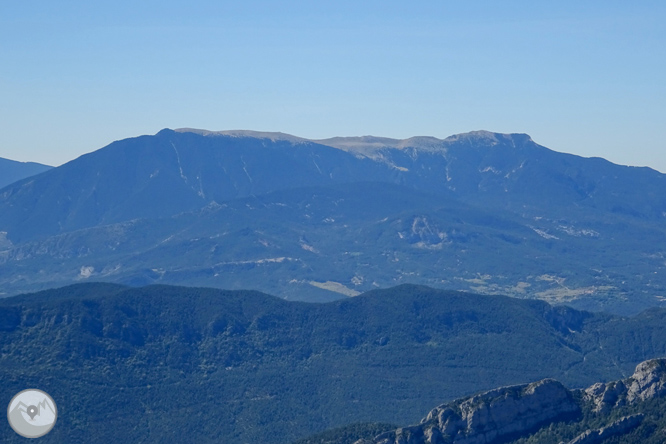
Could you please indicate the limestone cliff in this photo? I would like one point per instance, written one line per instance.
(648, 381)
(507, 413)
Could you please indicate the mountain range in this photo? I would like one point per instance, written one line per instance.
(162, 363)
(321, 220)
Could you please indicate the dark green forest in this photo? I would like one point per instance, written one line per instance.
(163, 363)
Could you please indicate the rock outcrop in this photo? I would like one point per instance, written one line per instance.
(501, 414)
(647, 382)
(605, 396)
(490, 416)
(619, 427)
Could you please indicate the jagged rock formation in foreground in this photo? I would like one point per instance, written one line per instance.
(647, 382)
(512, 413)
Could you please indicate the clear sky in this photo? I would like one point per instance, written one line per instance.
(585, 77)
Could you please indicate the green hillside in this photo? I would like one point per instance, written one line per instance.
(163, 363)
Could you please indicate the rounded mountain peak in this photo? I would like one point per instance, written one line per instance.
(482, 137)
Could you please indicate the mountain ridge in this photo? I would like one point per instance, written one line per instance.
(495, 214)
(119, 361)
(12, 171)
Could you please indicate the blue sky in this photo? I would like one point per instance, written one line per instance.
(584, 77)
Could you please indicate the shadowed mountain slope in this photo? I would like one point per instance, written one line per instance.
(171, 172)
(162, 175)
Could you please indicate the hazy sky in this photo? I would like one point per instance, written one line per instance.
(586, 77)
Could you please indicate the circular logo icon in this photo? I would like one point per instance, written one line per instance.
(32, 413)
